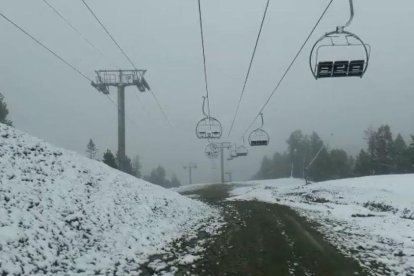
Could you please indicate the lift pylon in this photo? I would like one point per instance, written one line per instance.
(120, 79)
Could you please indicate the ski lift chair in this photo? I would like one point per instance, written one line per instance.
(344, 42)
(259, 137)
(208, 127)
(212, 151)
(241, 151)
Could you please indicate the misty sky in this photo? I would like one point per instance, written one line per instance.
(50, 101)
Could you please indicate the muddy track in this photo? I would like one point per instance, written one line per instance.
(266, 239)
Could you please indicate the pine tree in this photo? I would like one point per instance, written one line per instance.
(410, 155)
(91, 149)
(299, 152)
(380, 148)
(340, 164)
(175, 182)
(157, 176)
(265, 171)
(109, 159)
(124, 164)
(136, 167)
(4, 112)
(400, 155)
(363, 164)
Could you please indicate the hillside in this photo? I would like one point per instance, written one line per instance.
(63, 213)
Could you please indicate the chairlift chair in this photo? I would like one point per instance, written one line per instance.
(344, 42)
(241, 150)
(233, 153)
(259, 137)
(212, 151)
(208, 127)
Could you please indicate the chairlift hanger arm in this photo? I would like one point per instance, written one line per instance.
(261, 115)
(204, 106)
(351, 17)
(351, 6)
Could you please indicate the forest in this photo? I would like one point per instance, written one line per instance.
(308, 156)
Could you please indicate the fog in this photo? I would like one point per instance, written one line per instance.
(50, 101)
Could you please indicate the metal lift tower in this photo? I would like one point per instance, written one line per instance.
(120, 79)
(190, 167)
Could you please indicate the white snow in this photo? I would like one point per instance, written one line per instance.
(369, 218)
(61, 213)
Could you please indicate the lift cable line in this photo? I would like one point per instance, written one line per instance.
(52, 52)
(290, 66)
(67, 63)
(204, 57)
(249, 69)
(109, 34)
(76, 30)
(126, 56)
(161, 108)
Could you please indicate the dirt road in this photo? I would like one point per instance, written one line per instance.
(265, 239)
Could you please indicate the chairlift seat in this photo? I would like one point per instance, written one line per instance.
(340, 69)
(330, 69)
(356, 68)
(259, 143)
(325, 69)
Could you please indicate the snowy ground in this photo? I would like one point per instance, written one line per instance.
(369, 218)
(61, 213)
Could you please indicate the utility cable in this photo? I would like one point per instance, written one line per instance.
(290, 66)
(46, 48)
(250, 67)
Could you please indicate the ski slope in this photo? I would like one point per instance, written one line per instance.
(368, 218)
(61, 213)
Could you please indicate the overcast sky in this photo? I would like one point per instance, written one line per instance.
(50, 101)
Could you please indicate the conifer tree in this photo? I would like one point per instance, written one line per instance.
(4, 112)
(136, 166)
(109, 159)
(175, 182)
(91, 149)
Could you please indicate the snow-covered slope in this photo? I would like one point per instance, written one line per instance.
(61, 213)
(370, 218)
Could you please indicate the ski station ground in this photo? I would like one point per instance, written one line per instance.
(64, 214)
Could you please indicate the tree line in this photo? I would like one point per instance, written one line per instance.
(307, 156)
(133, 167)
